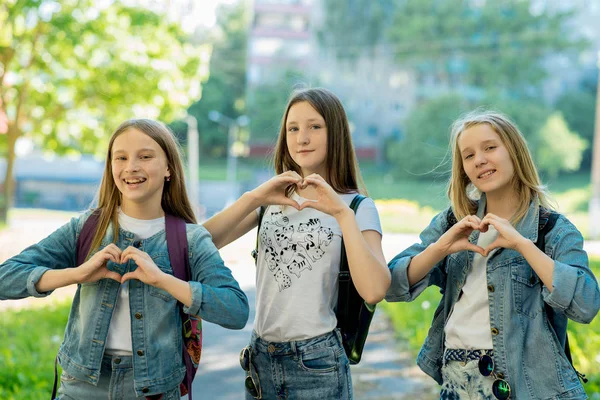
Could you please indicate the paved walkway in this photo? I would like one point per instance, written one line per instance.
(386, 371)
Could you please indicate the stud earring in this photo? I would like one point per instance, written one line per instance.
(167, 179)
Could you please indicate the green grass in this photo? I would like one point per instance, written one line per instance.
(411, 322)
(29, 341)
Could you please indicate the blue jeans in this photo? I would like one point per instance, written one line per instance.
(116, 383)
(311, 369)
(464, 382)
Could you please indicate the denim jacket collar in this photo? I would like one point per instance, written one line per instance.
(527, 226)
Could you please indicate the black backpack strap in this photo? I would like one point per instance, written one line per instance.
(450, 218)
(344, 278)
(261, 214)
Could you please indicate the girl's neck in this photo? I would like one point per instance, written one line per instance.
(503, 205)
(142, 211)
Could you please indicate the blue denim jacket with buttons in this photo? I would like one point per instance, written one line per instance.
(528, 352)
(155, 320)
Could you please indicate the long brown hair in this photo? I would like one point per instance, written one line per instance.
(174, 200)
(526, 180)
(341, 165)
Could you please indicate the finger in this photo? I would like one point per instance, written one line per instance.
(115, 252)
(130, 256)
(494, 245)
(477, 249)
(474, 218)
(315, 181)
(290, 202)
(308, 204)
(128, 276)
(115, 276)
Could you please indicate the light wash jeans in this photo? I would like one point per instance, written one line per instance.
(116, 383)
(311, 369)
(465, 382)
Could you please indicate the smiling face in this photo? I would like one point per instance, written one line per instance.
(139, 168)
(306, 137)
(486, 161)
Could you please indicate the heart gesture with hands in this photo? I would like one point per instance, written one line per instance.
(328, 201)
(95, 268)
(272, 192)
(508, 236)
(457, 237)
(146, 271)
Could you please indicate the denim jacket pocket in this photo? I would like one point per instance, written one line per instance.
(527, 291)
(162, 262)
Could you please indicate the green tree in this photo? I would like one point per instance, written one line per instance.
(424, 148)
(579, 109)
(225, 89)
(70, 72)
(267, 104)
(350, 29)
(488, 44)
(560, 149)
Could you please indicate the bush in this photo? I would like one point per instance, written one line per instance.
(29, 341)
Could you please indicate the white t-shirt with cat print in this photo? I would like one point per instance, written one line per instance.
(297, 270)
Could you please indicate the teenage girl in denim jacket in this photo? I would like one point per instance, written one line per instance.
(123, 338)
(499, 330)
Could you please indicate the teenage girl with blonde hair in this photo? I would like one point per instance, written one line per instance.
(500, 328)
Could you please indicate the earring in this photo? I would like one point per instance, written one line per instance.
(167, 179)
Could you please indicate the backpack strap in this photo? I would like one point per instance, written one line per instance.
(177, 245)
(84, 240)
(344, 278)
(261, 214)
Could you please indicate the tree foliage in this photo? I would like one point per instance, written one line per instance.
(70, 72)
(559, 149)
(579, 109)
(424, 149)
(489, 44)
(354, 28)
(267, 105)
(225, 89)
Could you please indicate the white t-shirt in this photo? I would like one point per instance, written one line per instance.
(469, 324)
(297, 270)
(118, 341)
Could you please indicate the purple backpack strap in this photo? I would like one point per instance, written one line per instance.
(179, 257)
(84, 240)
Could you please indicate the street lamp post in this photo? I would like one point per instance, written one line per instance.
(233, 125)
(594, 210)
(193, 163)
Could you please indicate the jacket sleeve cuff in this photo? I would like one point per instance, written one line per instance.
(400, 289)
(194, 308)
(33, 278)
(564, 282)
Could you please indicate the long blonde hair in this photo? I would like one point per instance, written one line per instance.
(526, 181)
(343, 173)
(174, 200)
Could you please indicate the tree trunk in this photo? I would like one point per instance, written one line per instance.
(8, 187)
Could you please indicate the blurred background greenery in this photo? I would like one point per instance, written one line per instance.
(72, 71)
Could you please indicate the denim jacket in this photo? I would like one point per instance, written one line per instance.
(528, 352)
(155, 320)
